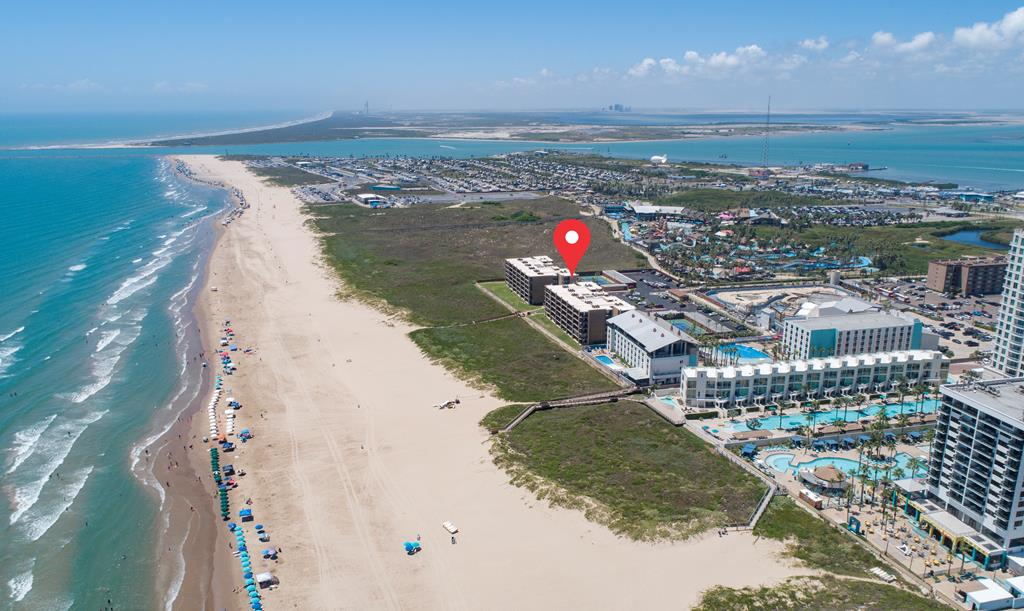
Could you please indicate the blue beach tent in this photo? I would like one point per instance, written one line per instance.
(749, 450)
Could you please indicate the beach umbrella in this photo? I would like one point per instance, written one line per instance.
(251, 588)
(247, 575)
(249, 581)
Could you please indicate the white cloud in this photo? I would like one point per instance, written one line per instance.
(545, 72)
(1003, 33)
(815, 44)
(916, 44)
(883, 39)
(643, 68)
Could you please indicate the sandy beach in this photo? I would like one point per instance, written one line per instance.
(351, 458)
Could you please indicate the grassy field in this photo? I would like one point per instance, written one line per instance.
(497, 419)
(424, 260)
(500, 290)
(628, 469)
(825, 593)
(288, 176)
(813, 541)
(897, 249)
(515, 358)
(717, 200)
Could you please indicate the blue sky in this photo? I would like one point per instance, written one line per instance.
(477, 55)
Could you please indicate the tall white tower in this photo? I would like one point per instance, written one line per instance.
(1008, 354)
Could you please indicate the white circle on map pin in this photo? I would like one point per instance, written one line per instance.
(572, 237)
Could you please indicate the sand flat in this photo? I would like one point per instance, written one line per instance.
(352, 458)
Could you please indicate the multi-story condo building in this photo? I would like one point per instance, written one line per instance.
(582, 309)
(975, 481)
(967, 276)
(751, 385)
(853, 333)
(528, 276)
(1008, 352)
(655, 350)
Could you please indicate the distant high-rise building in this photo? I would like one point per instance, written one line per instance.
(1008, 353)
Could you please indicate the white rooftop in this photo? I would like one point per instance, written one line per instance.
(801, 365)
(588, 297)
(651, 333)
(851, 321)
(540, 265)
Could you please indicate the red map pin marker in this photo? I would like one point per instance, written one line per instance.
(571, 239)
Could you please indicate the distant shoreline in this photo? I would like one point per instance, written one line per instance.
(145, 142)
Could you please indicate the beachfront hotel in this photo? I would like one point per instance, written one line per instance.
(582, 310)
(764, 384)
(975, 481)
(1008, 352)
(655, 350)
(849, 333)
(527, 277)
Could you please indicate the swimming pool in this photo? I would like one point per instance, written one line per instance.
(851, 415)
(604, 360)
(784, 463)
(745, 353)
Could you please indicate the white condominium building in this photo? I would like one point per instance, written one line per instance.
(975, 478)
(655, 350)
(853, 333)
(581, 309)
(528, 276)
(742, 385)
(1008, 352)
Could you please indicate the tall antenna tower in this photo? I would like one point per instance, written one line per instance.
(767, 131)
(366, 108)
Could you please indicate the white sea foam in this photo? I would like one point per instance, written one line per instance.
(7, 358)
(179, 570)
(11, 334)
(192, 212)
(24, 443)
(40, 520)
(141, 280)
(137, 260)
(21, 584)
(106, 337)
(25, 496)
(77, 268)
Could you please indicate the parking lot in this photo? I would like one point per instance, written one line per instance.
(959, 317)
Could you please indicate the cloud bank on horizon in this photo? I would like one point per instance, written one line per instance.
(978, 52)
(459, 54)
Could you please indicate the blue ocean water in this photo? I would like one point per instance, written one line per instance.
(99, 257)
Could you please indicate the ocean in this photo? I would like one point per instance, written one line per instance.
(99, 258)
(101, 252)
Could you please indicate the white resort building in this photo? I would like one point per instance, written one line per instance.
(581, 310)
(528, 276)
(655, 350)
(837, 334)
(753, 385)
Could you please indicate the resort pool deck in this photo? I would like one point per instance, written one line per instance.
(784, 463)
(851, 415)
(746, 354)
(604, 359)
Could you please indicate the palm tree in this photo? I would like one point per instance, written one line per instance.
(914, 464)
(864, 475)
(849, 494)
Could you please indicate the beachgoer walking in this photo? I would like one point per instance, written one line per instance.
(453, 539)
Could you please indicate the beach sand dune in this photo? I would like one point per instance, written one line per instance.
(351, 458)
